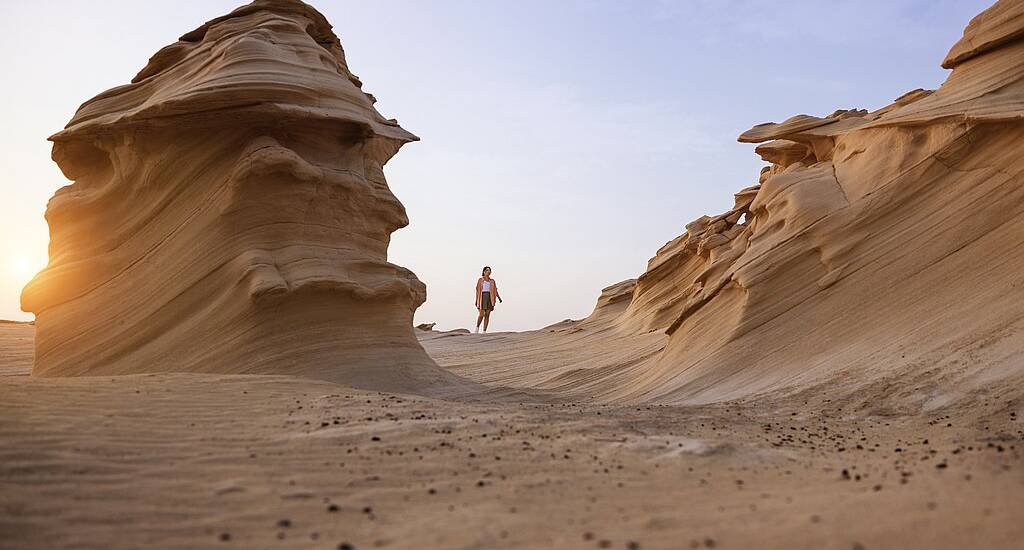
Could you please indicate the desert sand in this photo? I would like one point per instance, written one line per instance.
(204, 460)
(223, 357)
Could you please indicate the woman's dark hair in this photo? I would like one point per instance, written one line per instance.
(486, 267)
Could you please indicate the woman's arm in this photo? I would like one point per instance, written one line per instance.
(494, 286)
(479, 291)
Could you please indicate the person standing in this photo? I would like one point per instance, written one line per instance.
(486, 296)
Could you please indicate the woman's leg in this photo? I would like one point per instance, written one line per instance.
(487, 319)
(480, 318)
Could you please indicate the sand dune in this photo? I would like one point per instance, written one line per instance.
(229, 214)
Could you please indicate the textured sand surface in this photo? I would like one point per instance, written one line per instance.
(241, 461)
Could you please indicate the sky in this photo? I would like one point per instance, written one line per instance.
(563, 142)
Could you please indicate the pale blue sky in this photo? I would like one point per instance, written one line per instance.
(563, 142)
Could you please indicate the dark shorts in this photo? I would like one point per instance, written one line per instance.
(485, 301)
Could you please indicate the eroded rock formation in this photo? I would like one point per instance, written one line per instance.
(877, 244)
(229, 213)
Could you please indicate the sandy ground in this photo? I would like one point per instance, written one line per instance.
(188, 460)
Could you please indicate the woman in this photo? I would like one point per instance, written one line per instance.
(486, 296)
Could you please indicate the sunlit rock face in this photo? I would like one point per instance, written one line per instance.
(875, 245)
(229, 213)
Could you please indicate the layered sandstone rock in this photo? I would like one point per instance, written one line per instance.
(876, 244)
(611, 303)
(229, 213)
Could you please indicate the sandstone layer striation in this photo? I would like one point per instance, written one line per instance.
(884, 243)
(878, 253)
(229, 213)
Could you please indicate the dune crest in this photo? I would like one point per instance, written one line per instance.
(229, 213)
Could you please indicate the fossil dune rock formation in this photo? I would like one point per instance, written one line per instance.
(879, 252)
(230, 214)
(885, 243)
(859, 305)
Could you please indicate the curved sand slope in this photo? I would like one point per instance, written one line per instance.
(880, 252)
(229, 214)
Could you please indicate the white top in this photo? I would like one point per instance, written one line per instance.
(486, 287)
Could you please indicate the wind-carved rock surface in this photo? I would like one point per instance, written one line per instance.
(877, 259)
(875, 244)
(229, 213)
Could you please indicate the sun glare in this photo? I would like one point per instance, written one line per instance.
(22, 269)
